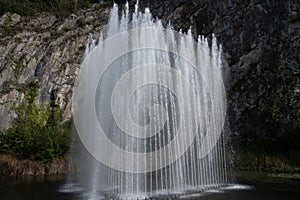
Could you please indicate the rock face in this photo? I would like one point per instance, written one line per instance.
(46, 50)
(260, 39)
(261, 43)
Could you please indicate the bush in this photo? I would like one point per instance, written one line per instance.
(37, 133)
(264, 162)
(30, 7)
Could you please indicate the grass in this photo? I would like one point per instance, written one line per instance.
(11, 166)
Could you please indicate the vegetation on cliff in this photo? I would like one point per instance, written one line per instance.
(41, 55)
(29, 7)
(262, 101)
(37, 133)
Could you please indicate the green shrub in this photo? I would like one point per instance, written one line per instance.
(31, 7)
(37, 133)
(264, 162)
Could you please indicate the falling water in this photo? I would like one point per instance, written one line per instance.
(202, 165)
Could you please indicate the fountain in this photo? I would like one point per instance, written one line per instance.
(149, 110)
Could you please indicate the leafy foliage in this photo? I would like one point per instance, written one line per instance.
(37, 133)
(30, 7)
(262, 162)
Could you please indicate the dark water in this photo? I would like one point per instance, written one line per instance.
(54, 187)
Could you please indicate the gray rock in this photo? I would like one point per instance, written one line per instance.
(260, 40)
(48, 50)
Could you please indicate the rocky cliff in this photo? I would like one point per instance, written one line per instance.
(261, 42)
(47, 50)
(260, 39)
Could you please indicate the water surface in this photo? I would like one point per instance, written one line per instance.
(54, 187)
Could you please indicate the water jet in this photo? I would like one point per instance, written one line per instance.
(149, 109)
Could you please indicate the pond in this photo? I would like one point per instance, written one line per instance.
(54, 187)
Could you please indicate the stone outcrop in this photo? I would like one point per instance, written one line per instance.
(260, 39)
(47, 50)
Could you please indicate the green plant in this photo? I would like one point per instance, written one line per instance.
(18, 68)
(58, 7)
(264, 162)
(37, 133)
